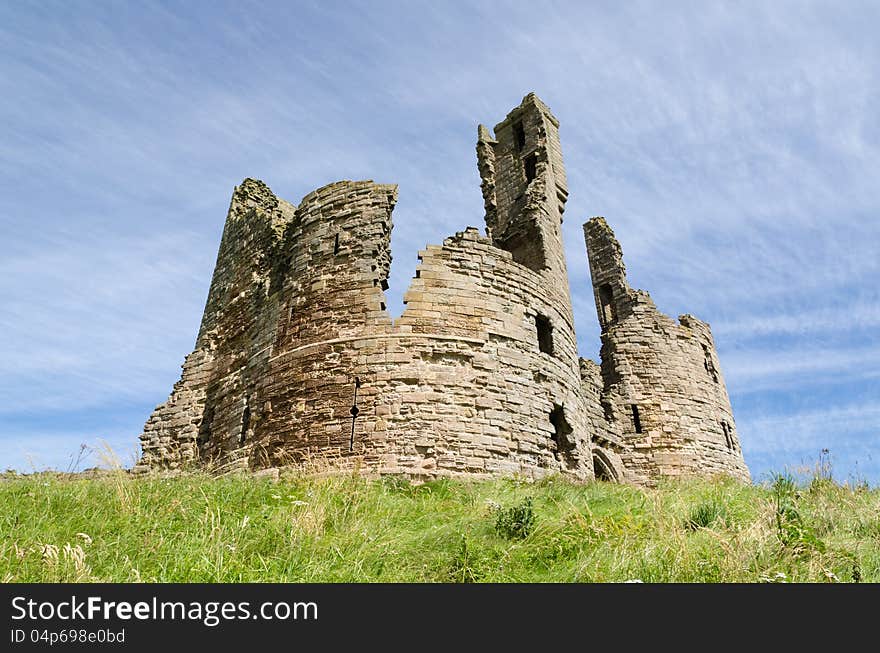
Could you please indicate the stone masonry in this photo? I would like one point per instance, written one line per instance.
(298, 362)
(662, 389)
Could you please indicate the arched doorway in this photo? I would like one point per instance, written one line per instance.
(602, 467)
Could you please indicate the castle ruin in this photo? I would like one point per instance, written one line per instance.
(297, 359)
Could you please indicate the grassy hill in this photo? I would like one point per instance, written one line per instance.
(345, 529)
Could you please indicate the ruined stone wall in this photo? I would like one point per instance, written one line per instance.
(608, 446)
(335, 269)
(480, 374)
(662, 381)
(459, 384)
(525, 189)
(207, 406)
(471, 290)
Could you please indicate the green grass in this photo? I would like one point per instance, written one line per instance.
(345, 529)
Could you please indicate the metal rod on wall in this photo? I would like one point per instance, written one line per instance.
(354, 412)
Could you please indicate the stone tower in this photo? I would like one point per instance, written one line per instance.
(663, 387)
(524, 193)
(524, 186)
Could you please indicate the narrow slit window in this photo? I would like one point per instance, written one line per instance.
(336, 244)
(728, 437)
(606, 301)
(637, 420)
(531, 167)
(519, 135)
(245, 423)
(545, 334)
(709, 364)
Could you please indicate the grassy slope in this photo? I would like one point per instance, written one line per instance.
(346, 529)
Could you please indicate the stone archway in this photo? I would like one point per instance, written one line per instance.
(603, 468)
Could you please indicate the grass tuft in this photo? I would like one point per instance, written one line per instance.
(704, 515)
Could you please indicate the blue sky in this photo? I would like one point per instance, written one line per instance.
(733, 147)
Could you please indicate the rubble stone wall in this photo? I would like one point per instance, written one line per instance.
(458, 384)
(662, 379)
(480, 375)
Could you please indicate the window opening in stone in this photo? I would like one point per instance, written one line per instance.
(531, 167)
(519, 135)
(336, 245)
(727, 435)
(606, 299)
(245, 423)
(384, 284)
(607, 411)
(561, 429)
(708, 363)
(545, 334)
(382, 306)
(205, 426)
(637, 420)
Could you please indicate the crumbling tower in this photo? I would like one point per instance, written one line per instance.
(524, 192)
(298, 362)
(524, 187)
(662, 381)
(331, 289)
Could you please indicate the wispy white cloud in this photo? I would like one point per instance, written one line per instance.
(89, 320)
(813, 428)
(857, 317)
(760, 370)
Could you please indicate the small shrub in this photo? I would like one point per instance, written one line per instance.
(516, 522)
(704, 515)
